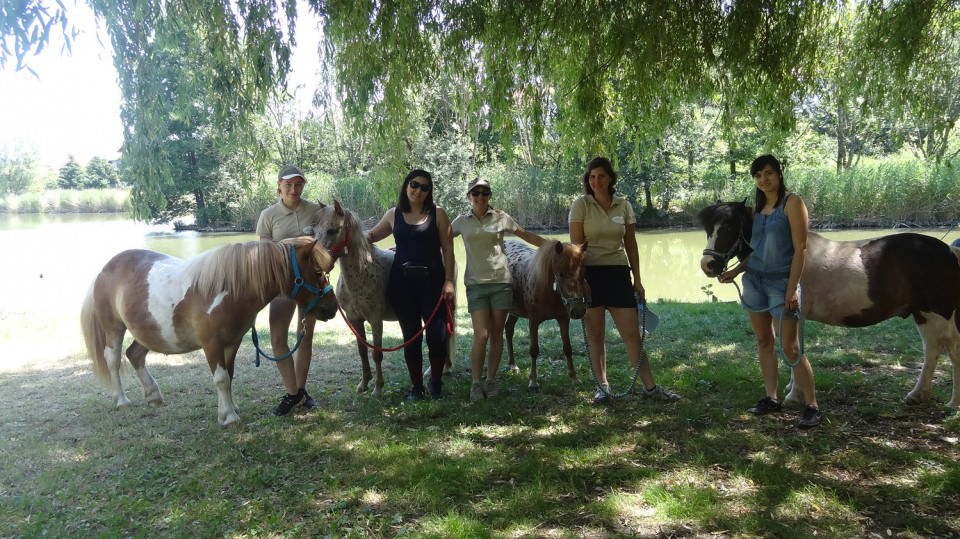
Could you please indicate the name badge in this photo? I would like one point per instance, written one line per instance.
(617, 219)
(492, 229)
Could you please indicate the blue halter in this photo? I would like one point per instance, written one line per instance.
(298, 283)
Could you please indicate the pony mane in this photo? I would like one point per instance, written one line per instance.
(542, 269)
(358, 241)
(242, 267)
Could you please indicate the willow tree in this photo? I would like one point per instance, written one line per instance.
(589, 71)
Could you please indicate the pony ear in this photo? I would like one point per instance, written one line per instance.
(558, 247)
(321, 204)
(337, 207)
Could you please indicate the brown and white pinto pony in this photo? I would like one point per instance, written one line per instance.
(548, 284)
(362, 286)
(174, 306)
(861, 283)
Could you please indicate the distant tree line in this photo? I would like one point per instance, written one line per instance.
(20, 173)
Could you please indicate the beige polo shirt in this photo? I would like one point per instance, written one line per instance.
(603, 229)
(483, 243)
(279, 222)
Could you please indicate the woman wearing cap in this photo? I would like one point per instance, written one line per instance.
(422, 272)
(287, 219)
(607, 222)
(487, 278)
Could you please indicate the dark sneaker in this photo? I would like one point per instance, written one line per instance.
(287, 403)
(811, 418)
(765, 406)
(416, 394)
(658, 393)
(436, 389)
(602, 394)
(308, 401)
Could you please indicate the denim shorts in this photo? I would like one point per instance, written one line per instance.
(762, 294)
(489, 297)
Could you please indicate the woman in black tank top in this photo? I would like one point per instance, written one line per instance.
(422, 271)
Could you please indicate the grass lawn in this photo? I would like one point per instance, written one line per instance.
(551, 464)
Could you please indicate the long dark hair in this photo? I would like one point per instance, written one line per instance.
(599, 162)
(760, 198)
(403, 201)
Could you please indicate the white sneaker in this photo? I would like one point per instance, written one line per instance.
(658, 393)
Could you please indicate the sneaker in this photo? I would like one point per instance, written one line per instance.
(658, 393)
(308, 401)
(476, 391)
(287, 403)
(491, 389)
(765, 406)
(811, 418)
(416, 394)
(602, 394)
(436, 389)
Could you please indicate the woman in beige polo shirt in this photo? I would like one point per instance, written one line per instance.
(487, 278)
(607, 222)
(287, 219)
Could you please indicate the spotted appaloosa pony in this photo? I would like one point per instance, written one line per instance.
(362, 286)
(861, 283)
(172, 306)
(548, 284)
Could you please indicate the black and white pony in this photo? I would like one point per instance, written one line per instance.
(861, 283)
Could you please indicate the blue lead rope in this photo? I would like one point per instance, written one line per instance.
(298, 283)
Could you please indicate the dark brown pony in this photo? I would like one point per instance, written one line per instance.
(861, 283)
(173, 306)
(548, 284)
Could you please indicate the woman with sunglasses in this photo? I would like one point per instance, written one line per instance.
(487, 278)
(422, 272)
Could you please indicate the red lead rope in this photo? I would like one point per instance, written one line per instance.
(433, 315)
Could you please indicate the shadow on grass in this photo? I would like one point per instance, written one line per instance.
(548, 464)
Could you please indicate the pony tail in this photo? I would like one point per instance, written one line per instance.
(93, 336)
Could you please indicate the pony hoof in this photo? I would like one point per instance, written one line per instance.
(533, 389)
(230, 420)
(156, 403)
(514, 369)
(913, 399)
(362, 388)
(122, 405)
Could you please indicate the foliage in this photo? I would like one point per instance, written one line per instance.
(101, 173)
(180, 62)
(25, 30)
(72, 175)
(17, 171)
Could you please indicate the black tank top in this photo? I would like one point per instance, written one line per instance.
(417, 244)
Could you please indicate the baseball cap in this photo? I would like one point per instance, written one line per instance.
(291, 171)
(479, 182)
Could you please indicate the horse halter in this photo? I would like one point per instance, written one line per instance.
(342, 247)
(567, 300)
(734, 250)
(299, 283)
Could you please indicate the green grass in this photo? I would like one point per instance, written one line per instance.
(524, 465)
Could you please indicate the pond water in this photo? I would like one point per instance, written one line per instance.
(51, 259)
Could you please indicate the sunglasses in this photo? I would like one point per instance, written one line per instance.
(425, 187)
(481, 193)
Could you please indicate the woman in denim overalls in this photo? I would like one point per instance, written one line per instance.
(771, 292)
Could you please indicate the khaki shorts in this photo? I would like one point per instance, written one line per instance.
(489, 297)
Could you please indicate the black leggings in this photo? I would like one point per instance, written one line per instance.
(414, 299)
